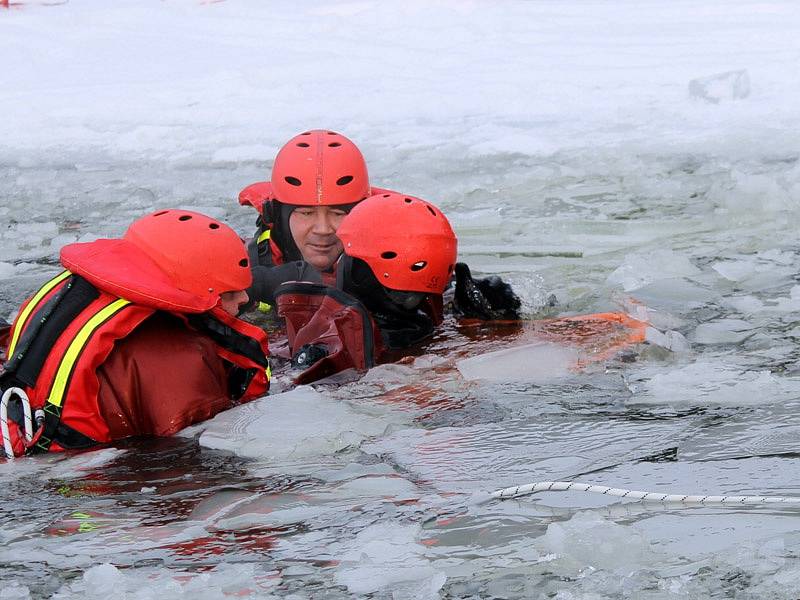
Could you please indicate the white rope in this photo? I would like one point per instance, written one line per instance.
(8, 448)
(574, 486)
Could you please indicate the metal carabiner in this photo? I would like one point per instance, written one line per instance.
(27, 420)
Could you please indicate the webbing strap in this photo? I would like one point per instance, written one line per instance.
(230, 339)
(45, 327)
(54, 406)
(76, 346)
(31, 306)
(52, 417)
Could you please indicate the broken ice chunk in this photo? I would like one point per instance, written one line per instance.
(730, 85)
(724, 331)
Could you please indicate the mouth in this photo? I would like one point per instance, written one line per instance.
(323, 248)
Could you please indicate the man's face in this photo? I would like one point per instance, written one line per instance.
(314, 231)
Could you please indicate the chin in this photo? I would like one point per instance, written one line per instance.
(321, 263)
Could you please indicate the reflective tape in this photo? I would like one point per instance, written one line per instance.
(75, 348)
(31, 306)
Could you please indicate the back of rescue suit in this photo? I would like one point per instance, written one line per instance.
(131, 338)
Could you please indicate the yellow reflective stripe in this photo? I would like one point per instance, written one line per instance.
(268, 371)
(31, 306)
(76, 345)
(263, 237)
(264, 307)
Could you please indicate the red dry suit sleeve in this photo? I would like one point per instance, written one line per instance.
(161, 378)
(319, 315)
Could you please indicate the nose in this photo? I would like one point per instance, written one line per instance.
(323, 224)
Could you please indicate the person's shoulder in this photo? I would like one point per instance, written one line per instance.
(165, 336)
(162, 323)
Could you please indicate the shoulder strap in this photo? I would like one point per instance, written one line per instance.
(249, 374)
(39, 327)
(83, 294)
(45, 322)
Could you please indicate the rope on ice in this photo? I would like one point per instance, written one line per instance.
(575, 486)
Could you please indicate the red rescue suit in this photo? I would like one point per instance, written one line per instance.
(320, 318)
(330, 330)
(110, 348)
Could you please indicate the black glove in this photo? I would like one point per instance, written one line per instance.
(307, 355)
(487, 299)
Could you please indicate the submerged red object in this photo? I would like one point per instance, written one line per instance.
(551, 348)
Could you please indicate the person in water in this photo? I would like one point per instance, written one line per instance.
(317, 178)
(389, 288)
(137, 336)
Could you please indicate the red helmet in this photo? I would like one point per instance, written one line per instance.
(319, 167)
(199, 254)
(256, 194)
(407, 242)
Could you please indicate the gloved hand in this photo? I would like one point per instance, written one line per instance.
(308, 354)
(488, 299)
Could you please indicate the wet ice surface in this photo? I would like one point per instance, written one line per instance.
(648, 162)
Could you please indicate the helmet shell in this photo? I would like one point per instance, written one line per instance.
(256, 195)
(319, 168)
(199, 254)
(407, 242)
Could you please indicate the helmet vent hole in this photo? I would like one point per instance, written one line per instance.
(408, 200)
(306, 133)
(418, 266)
(344, 180)
(430, 210)
(332, 133)
(243, 262)
(388, 255)
(213, 225)
(303, 145)
(386, 195)
(184, 217)
(293, 181)
(334, 145)
(161, 212)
